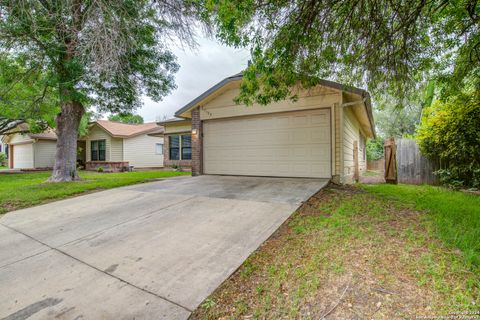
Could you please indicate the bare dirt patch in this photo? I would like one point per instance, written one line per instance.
(346, 254)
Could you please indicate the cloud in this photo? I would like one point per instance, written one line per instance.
(200, 69)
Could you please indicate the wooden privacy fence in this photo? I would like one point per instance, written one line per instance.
(376, 165)
(412, 167)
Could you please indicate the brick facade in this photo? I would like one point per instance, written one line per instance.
(183, 164)
(107, 166)
(196, 143)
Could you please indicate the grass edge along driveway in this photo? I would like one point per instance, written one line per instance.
(373, 252)
(22, 190)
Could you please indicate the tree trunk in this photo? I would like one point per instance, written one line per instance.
(68, 121)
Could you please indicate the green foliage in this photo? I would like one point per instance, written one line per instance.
(330, 239)
(105, 54)
(126, 118)
(112, 64)
(3, 158)
(450, 131)
(390, 47)
(396, 120)
(83, 127)
(454, 215)
(26, 93)
(375, 149)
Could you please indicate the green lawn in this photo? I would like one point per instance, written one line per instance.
(348, 253)
(453, 216)
(372, 173)
(28, 189)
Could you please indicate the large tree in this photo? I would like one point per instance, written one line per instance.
(392, 46)
(126, 118)
(24, 95)
(104, 53)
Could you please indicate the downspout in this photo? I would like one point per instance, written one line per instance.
(34, 151)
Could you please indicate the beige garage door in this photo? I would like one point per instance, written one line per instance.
(23, 156)
(288, 144)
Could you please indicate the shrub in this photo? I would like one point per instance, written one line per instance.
(450, 132)
(176, 167)
(100, 169)
(375, 149)
(3, 158)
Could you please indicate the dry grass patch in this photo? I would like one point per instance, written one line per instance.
(347, 254)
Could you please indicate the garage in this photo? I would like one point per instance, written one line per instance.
(319, 132)
(284, 144)
(23, 156)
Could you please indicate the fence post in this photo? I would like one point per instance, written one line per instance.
(390, 161)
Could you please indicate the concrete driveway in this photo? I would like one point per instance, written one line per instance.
(150, 251)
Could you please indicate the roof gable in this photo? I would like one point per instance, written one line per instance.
(125, 130)
(23, 129)
(230, 82)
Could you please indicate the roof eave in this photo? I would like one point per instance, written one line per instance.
(167, 122)
(204, 95)
(331, 84)
(368, 107)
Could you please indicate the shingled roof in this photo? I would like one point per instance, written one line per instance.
(124, 130)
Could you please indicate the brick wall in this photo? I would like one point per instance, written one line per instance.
(184, 164)
(107, 166)
(196, 143)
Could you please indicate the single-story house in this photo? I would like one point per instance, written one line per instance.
(30, 150)
(113, 145)
(321, 135)
(110, 145)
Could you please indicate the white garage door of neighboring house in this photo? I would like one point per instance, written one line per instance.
(288, 144)
(23, 156)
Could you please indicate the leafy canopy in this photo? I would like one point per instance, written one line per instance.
(450, 131)
(25, 96)
(126, 118)
(375, 149)
(100, 53)
(388, 46)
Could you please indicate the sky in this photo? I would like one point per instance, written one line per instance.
(200, 69)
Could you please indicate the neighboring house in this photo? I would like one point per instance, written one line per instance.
(111, 145)
(29, 150)
(321, 135)
(114, 145)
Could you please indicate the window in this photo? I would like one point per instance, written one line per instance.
(159, 148)
(186, 147)
(98, 148)
(174, 147)
(180, 147)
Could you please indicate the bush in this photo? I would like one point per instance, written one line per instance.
(100, 169)
(375, 149)
(450, 132)
(3, 158)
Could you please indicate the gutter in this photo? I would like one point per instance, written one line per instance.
(353, 103)
(368, 107)
(335, 85)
